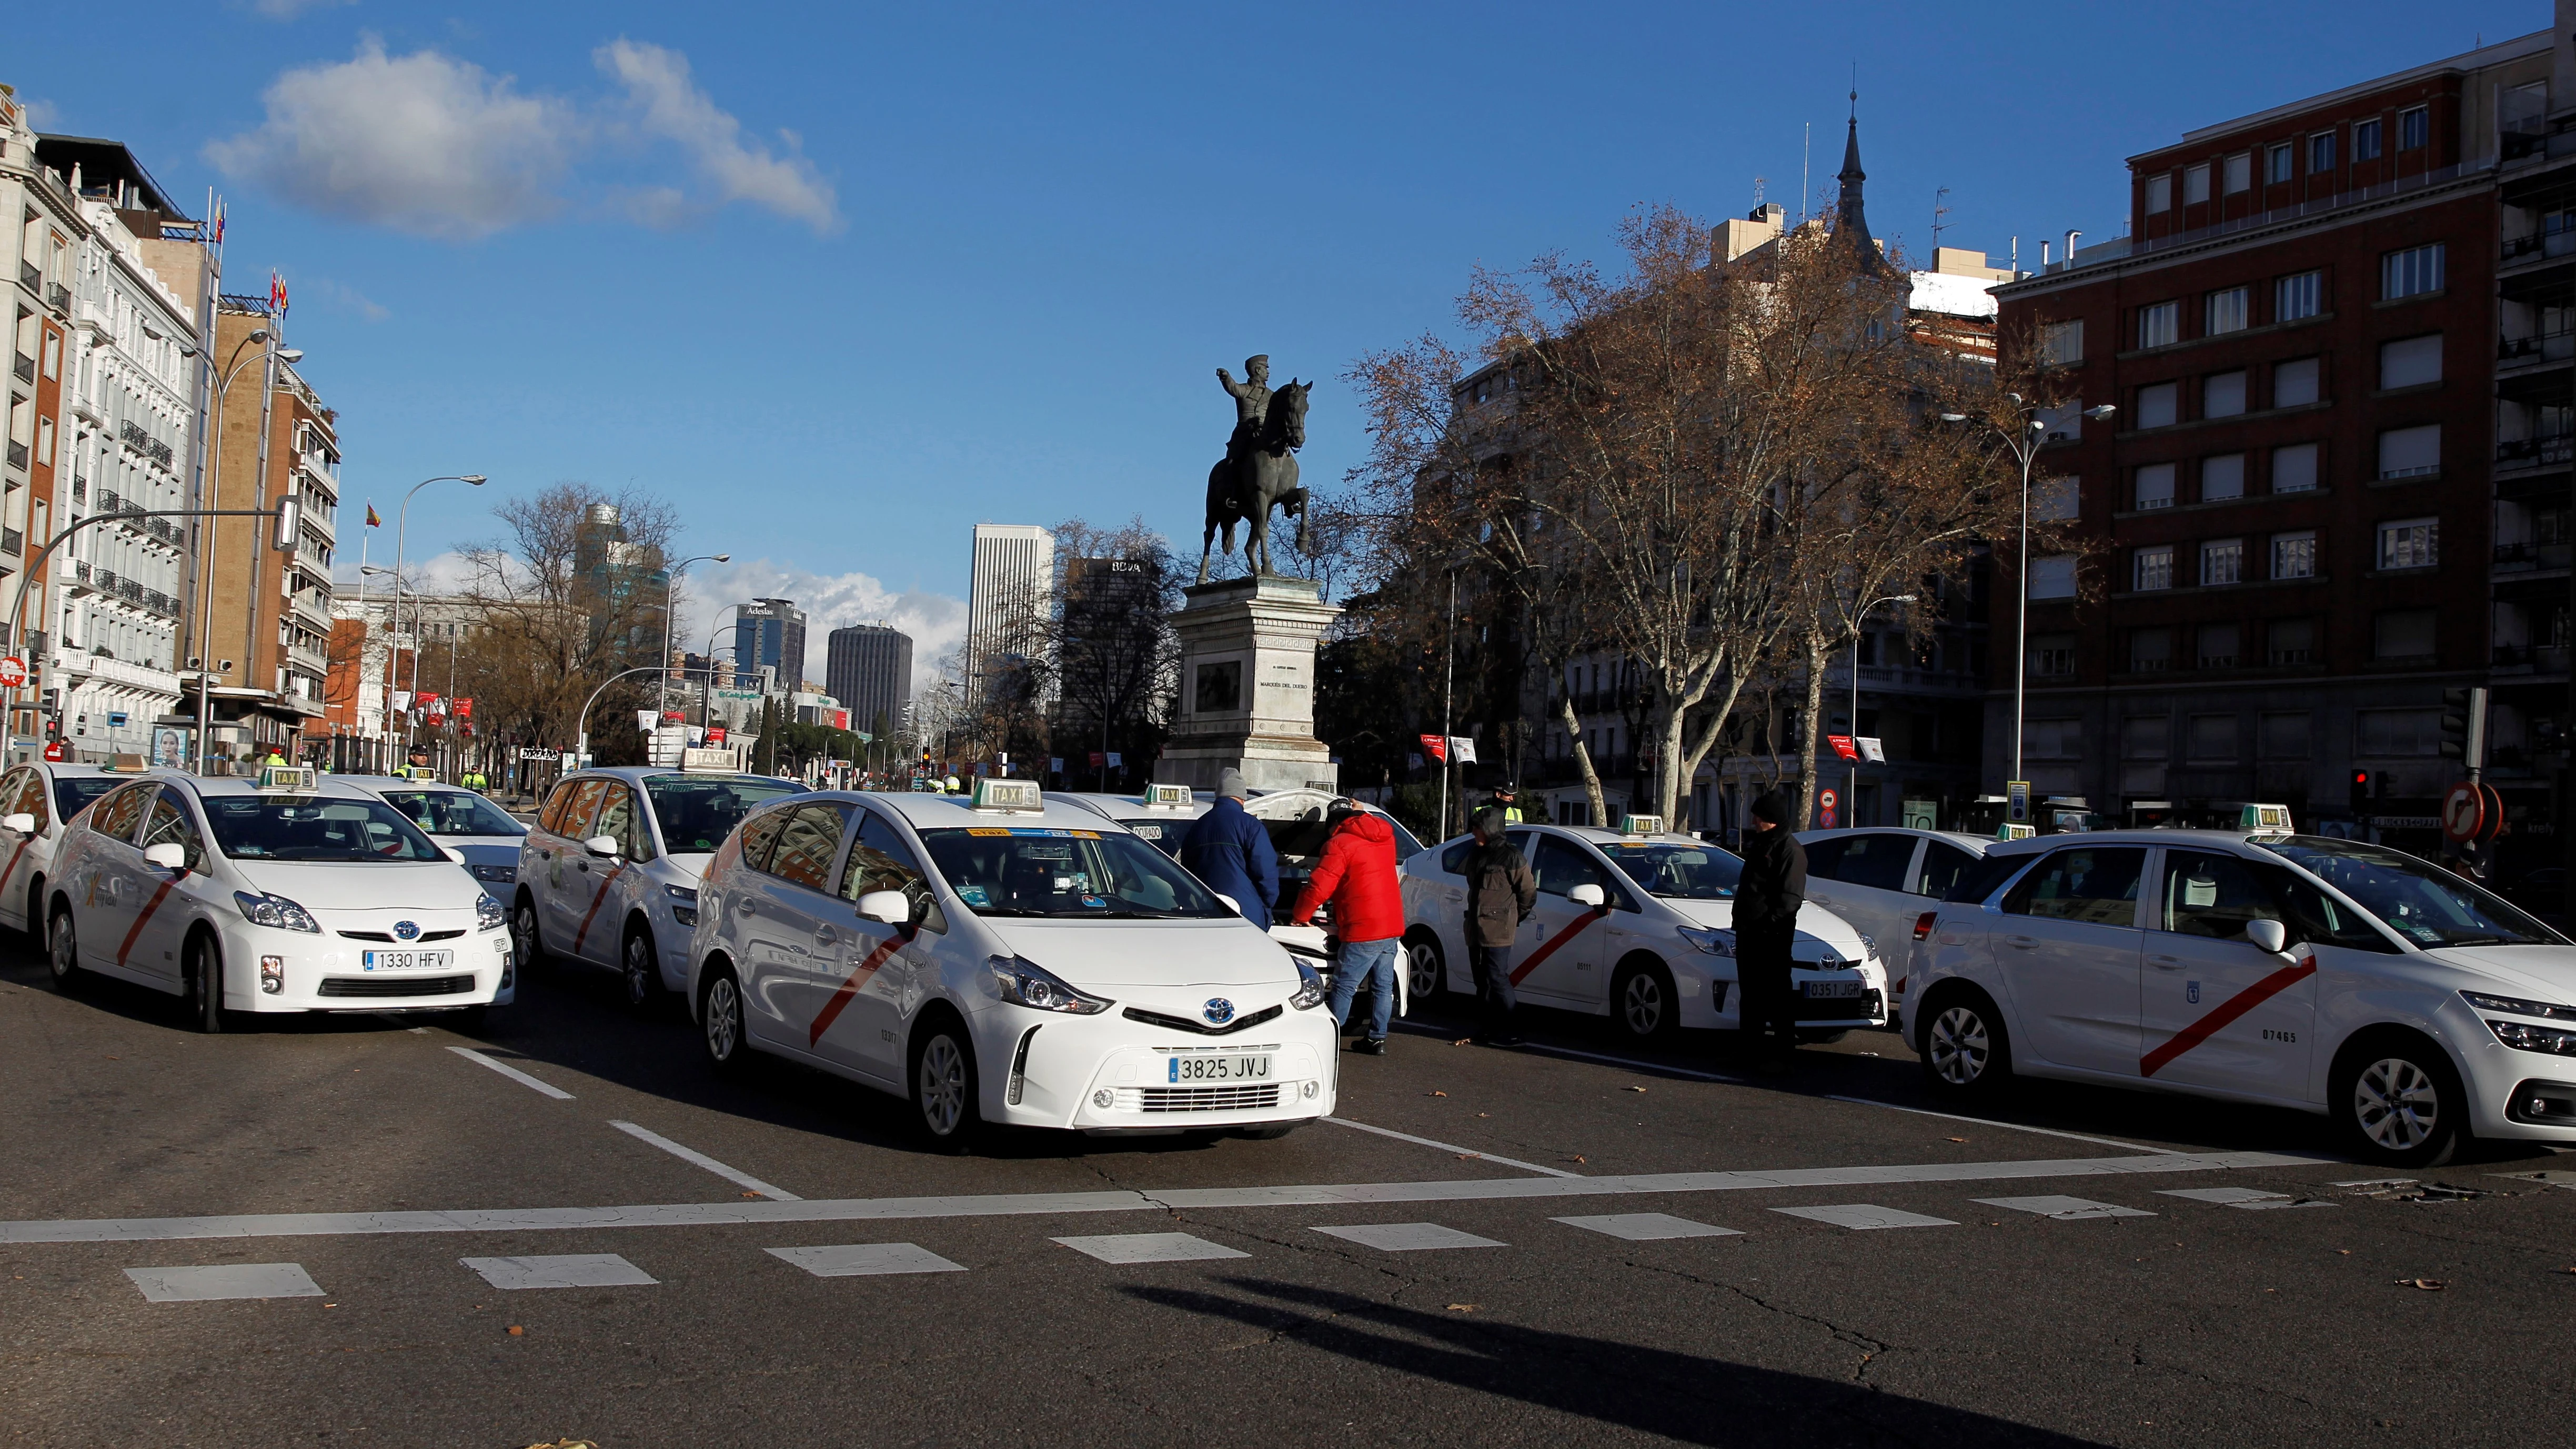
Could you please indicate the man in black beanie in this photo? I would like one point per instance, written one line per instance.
(1767, 898)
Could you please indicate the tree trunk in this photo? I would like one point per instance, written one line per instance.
(1583, 761)
(1808, 733)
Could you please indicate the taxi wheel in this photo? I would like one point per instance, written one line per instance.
(1642, 1001)
(720, 1020)
(526, 950)
(1426, 975)
(1965, 1053)
(205, 973)
(2396, 1100)
(943, 1085)
(62, 952)
(641, 967)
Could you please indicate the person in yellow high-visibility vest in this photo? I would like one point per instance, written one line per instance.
(1506, 796)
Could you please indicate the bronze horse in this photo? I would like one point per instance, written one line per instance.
(1266, 479)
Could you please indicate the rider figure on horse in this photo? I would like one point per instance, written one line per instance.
(1251, 408)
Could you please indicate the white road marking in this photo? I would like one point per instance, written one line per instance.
(1647, 1227)
(1408, 1237)
(692, 1155)
(852, 1260)
(2064, 1209)
(703, 1214)
(1865, 1217)
(513, 1073)
(562, 1270)
(1151, 1248)
(2009, 1126)
(1450, 1147)
(2240, 1197)
(225, 1280)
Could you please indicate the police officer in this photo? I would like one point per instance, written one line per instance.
(1507, 796)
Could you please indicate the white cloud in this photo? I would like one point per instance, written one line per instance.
(936, 622)
(349, 299)
(292, 9)
(421, 143)
(670, 106)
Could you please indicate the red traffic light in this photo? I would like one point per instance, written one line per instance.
(2361, 779)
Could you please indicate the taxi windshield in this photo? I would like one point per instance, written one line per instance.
(453, 812)
(1678, 872)
(308, 828)
(2421, 902)
(696, 812)
(1091, 875)
(71, 795)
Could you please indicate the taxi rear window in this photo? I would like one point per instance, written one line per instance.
(696, 812)
(71, 795)
(1981, 879)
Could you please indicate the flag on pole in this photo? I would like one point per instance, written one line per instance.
(276, 293)
(1436, 747)
(1462, 750)
(372, 520)
(219, 221)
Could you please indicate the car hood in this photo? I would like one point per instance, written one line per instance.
(482, 849)
(428, 885)
(2547, 973)
(692, 865)
(1821, 933)
(1110, 954)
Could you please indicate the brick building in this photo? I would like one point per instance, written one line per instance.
(2323, 500)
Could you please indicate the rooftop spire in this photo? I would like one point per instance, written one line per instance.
(1850, 223)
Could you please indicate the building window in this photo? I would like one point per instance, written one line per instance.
(2410, 543)
(2154, 487)
(2156, 405)
(2213, 736)
(2240, 172)
(2411, 452)
(2145, 737)
(2294, 641)
(2411, 361)
(2414, 127)
(45, 441)
(2195, 184)
(2222, 561)
(2052, 656)
(2055, 500)
(2412, 272)
(2222, 395)
(2159, 194)
(2063, 423)
(2294, 555)
(2062, 343)
(2298, 296)
(2053, 578)
(2365, 140)
(2295, 382)
(2152, 568)
(2382, 734)
(2284, 736)
(2222, 478)
(2226, 311)
(2150, 652)
(2160, 325)
(2321, 149)
(2276, 163)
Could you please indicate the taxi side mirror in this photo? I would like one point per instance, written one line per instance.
(1231, 903)
(453, 854)
(21, 823)
(603, 846)
(169, 855)
(890, 907)
(2267, 936)
(1588, 894)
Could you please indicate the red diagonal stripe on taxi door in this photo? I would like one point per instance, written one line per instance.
(857, 981)
(1568, 934)
(595, 902)
(2225, 1012)
(140, 921)
(12, 866)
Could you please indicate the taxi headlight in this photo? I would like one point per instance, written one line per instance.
(1311, 990)
(498, 874)
(276, 911)
(2517, 1007)
(2523, 1036)
(489, 915)
(684, 903)
(1868, 945)
(1710, 942)
(1023, 982)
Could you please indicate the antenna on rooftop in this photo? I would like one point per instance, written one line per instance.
(1938, 211)
(1806, 149)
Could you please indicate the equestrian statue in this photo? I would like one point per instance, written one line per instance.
(1259, 469)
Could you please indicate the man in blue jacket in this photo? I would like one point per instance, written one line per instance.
(1230, 851)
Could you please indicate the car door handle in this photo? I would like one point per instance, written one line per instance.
(825, 936)
(2165, 963)
(744, 906)
(2027, 943)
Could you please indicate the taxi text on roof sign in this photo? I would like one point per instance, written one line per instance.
(1642, 825)
(992, 793)
(2264, 817)
(696, 760)
(299, 779)
(1169, 797)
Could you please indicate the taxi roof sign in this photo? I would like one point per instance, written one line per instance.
(992, 793)
(701, 760)
(2265, 818)
(1169, 797)
(1642, 825)
(293, 779)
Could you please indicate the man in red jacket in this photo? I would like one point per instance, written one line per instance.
(1357, 875)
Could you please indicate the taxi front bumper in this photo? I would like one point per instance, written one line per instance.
(271, 970)
(1138, 1069)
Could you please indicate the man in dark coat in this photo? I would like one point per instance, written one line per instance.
(1231, 852)
(1501, 893)
(1767, 898)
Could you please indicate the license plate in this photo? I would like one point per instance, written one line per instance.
(403, 960)
(1219, 1069)
(1830, 990)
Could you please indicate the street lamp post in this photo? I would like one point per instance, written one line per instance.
(670, 586)
(269, 354)
(402, 525)
(1851, 780)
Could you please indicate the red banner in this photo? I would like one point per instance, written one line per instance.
(1437, 747)
(1843, 746)
(465, 708)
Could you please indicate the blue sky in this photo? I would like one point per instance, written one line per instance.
(842, 281)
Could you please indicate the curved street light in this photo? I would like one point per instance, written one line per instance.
(1851, 777)
(402, 523)
(581, 722)
(670, 586)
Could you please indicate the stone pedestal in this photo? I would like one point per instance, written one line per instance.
(1248, 686)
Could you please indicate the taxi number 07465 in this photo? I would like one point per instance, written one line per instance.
(1218, 1069)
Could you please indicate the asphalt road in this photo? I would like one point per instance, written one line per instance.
(351, 1166)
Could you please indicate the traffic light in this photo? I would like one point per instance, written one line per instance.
(2464, 726)
(2360, 790)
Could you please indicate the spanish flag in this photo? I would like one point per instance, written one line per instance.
(372, 520)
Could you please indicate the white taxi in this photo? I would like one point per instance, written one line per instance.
(1003, 960)
(458, 819)
(291, 893)
(609, 875)
(37, 801)
(2410, 1006)
(1638, 927)
(1882, 880)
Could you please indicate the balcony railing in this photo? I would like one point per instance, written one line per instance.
(11, 540)
(2554, 448)
(2417, 182)
(25, 367)
(2547, 347)
(160, 452)
(2552, 657)
(132, 433)
(108, 502)
(17, 455)
(106, 581)
(59, 297)
(30, 278)
(2532, 555)
(2540, 244)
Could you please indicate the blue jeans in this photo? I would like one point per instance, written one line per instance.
(1374, 960)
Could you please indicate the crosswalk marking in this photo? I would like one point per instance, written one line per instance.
(224, 1280)
(2064, 1209)
(851, 1260)
(1408, 1237)
(1865, 1217)
(1647, 1227)
(561, 1270)
(1150, 1248)
(2241, 1197)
